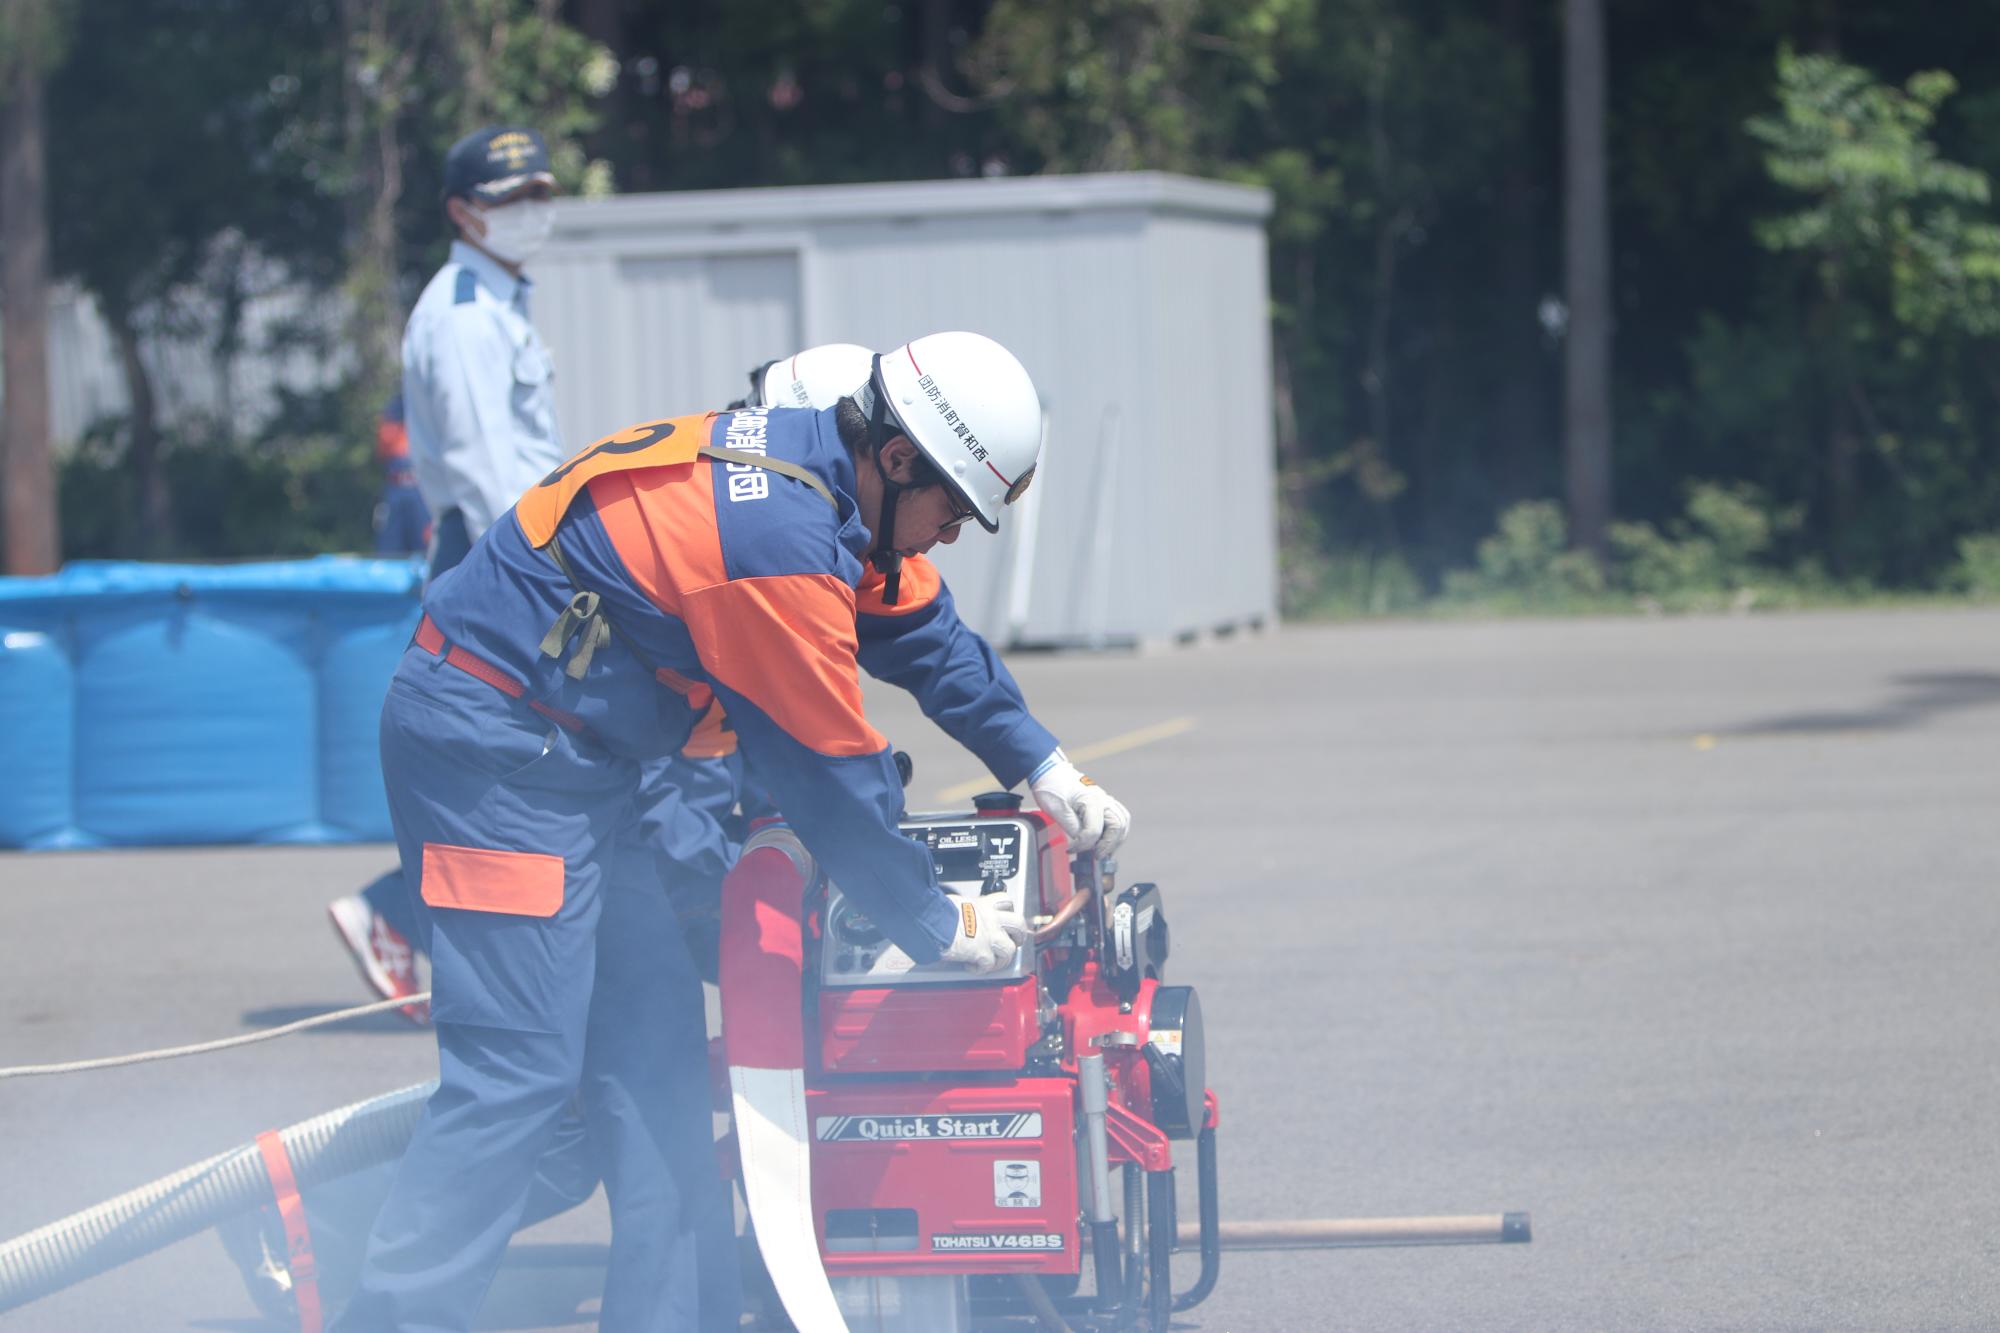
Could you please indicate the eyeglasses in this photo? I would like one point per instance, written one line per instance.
(959, 517)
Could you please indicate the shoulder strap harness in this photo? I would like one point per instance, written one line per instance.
(584, 618)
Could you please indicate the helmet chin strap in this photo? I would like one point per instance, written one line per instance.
(872, 400)
(885, 556)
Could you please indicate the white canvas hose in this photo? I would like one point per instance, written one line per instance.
(763, 1036)
(326, 1147)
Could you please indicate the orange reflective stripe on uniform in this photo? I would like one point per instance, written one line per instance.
(919, 588)
(787, 644)
(713, 737)
(484, 879)
(649, 444)
(664, 531)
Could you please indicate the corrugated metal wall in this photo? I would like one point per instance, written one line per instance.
(1219, 364)
(644, 335)
(1138, 303)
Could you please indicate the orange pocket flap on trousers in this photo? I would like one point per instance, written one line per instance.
(476, 879)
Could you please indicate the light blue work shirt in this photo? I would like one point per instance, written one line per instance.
(478, 391)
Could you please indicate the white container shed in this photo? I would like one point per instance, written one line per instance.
(1138, 302)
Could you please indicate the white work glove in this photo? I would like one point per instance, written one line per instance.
(989, 934)
(1090, 815)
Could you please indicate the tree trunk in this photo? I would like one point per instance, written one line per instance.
(604, 23)
(374, 146)
(232, 298)
(379, 250)
(476, 33)
(1295, 529)
(1390, 227)
(156, 505)
(1587, 265)
(1846, 426)
(33, 545)
(1521, 416)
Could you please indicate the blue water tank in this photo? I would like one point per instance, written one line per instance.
(145, 704)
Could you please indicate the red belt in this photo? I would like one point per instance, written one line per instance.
(431, 639)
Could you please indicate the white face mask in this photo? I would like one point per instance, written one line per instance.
(514, 232)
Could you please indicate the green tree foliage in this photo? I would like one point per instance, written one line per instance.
(1887, 222)
(1127, 85)
(725, 93)
(1409, 307)
(1859, 384)
(175, 139)
(175, 122)
(1805, 259)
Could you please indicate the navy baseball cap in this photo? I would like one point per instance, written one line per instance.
(494, 162)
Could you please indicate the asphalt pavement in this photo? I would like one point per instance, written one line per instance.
(1678, 934)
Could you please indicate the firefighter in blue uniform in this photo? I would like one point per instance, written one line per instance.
(671, 566)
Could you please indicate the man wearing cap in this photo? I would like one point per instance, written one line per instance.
(477, 382)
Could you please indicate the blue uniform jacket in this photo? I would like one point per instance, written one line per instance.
(726, 581)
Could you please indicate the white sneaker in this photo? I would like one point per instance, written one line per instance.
(386, 959)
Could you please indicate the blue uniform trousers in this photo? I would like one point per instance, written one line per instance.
(648, 1106)
(514, 823)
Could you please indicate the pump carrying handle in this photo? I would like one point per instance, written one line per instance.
(1097, 874)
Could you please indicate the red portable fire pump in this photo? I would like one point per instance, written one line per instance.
(948, 1146)
(919, 1148)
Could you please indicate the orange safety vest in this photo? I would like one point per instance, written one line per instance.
(674, 442)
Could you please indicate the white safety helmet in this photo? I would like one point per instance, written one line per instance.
(818, 377)
(970, 407)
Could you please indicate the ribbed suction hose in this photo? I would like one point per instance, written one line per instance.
(191, 1200)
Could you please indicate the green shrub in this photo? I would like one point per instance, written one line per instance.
(1351, 584)
(1978, 568)
(306, 486)
(1526, 565)
(1713, 555)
